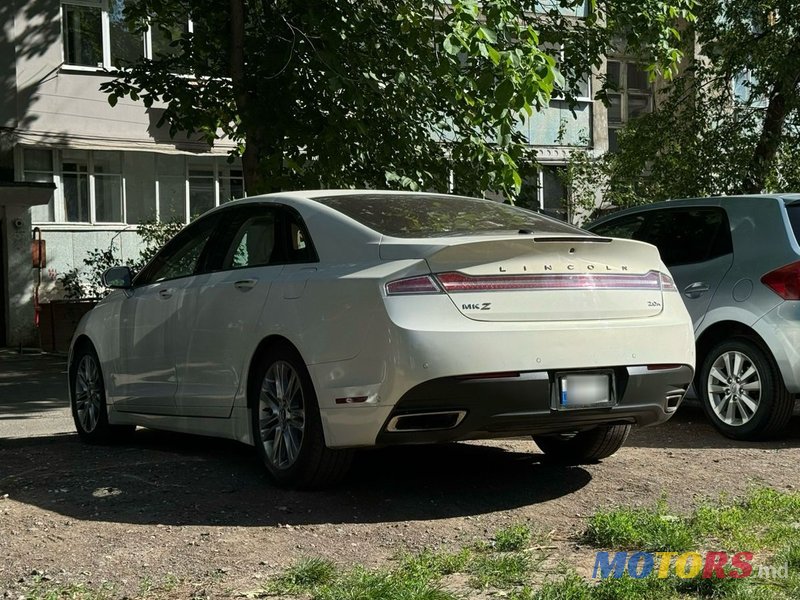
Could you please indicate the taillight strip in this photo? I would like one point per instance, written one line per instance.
(454, 282)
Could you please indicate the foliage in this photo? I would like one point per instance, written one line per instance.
(72, 284)
(87, 283)
(729, 124)
(361, 93)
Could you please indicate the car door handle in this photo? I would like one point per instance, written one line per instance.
(696, 289)
(165, 293)
(245, 284)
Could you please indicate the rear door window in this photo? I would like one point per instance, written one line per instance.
(255, 244)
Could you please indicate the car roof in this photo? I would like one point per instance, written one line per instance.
(699, 201)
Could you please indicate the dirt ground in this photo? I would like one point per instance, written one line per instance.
(203, 511)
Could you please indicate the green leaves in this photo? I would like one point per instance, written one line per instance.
(344, 94)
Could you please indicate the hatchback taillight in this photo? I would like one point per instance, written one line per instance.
(423, 284)
(784, 281)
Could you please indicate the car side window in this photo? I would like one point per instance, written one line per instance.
(255, 243)
(182, 254)
(682, 235)
(688, 236)
(299, 247)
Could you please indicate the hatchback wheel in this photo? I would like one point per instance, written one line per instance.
(287, 429)
(583, 446)
(88, 400)
(742, 391)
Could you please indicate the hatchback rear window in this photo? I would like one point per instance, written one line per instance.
(434, 215)
(794, 219)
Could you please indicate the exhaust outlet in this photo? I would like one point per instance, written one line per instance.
(429, 421)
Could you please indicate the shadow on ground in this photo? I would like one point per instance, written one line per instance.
(184, 480)
(31, 384)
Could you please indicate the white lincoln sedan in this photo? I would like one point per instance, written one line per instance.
(308, 324)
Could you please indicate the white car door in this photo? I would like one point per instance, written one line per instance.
(227, 307)
(151, 318)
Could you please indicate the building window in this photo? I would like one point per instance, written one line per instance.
(576, 9)
(83, 34)
(140, 187)
(39, 169)
(631, 96)
(201, 186)
(107, 175)
(546, 193)
(75, 185)
(126, 46)
(95, 35)
(111, 187)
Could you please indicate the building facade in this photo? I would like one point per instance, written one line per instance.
(111, 168)
(103, 170)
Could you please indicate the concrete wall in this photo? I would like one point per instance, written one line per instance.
(20, 328)
(67, 249)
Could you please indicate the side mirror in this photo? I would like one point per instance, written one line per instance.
(118, 278)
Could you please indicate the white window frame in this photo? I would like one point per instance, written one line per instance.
(105, 29)
(59, 204)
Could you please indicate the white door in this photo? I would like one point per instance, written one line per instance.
(227, 306)
(151, 319)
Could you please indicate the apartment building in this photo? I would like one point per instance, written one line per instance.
(85, 174)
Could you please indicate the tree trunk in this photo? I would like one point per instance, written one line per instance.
(768, 142)
(254, 182)
(781, 102)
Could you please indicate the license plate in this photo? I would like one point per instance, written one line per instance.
(584, 390)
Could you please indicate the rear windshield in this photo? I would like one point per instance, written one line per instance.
(794, 219)
(434, 215)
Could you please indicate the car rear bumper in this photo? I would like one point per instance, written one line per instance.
(524, 405)
(780, 330)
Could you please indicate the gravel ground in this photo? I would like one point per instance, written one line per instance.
(202, 510)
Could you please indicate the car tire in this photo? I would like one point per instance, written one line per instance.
(286, 424)
(742, 391)
(88, 400)
(583, 446)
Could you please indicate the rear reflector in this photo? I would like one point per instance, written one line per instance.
(784, 281)
(351, 400)
(424, 284)
(459, 282)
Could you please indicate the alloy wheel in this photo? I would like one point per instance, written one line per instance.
(281, 414)
(734, 388)
(88, 393)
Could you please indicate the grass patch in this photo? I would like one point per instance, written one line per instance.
(763, 519)
(48, 590)
(513, 538)
(500, 571)
(647, 529)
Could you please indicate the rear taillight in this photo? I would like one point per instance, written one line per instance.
(423, 284)
(667, 283)
(784, 281)
(459, 282)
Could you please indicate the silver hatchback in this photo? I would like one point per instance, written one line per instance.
(736, 261)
